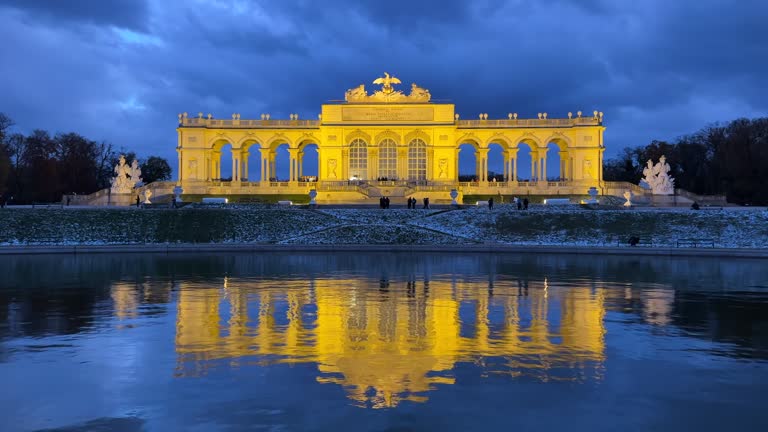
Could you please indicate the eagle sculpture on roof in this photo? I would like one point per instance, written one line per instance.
(386, 81)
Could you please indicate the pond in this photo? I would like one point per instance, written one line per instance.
(382, 342)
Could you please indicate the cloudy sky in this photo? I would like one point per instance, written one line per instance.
(121, 70)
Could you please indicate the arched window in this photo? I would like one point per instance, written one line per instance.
(358, 160)
(388, 159)
(417, 160)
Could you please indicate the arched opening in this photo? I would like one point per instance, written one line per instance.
(309, 162)
(467, 168)
(252, 162)
(387, 159)
(417, 159)
(358, 160)
(495, 159)
(281, 161)
(526, 161)
(557, 161)
(224, 153)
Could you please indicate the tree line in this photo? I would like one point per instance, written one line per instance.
(722, 159)
(40, 167)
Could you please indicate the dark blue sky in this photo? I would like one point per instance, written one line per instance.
(121, 70)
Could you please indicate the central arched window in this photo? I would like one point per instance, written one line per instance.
(358, 160)
(417, 160)
(388, 159)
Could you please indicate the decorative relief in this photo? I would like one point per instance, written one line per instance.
(387, 92)
(331, 137)
(443, 165)
(443, 137)
(192, 169)
(332, 169)
(589, 172)
(192, 139)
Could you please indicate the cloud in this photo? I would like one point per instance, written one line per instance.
(121, 71)
(129, 14)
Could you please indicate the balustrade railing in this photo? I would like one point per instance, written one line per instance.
(576, 121)
(217, 123)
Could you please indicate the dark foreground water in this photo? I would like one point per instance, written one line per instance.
(382, 342)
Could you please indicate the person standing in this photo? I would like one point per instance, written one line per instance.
(490, 203)
(525, 203)
(138, 200)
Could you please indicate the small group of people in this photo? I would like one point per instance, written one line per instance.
(384, 202)
(413, 201)
(522, 204)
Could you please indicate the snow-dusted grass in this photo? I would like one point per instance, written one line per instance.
(579, 226)
(569, 225)
(129, 226)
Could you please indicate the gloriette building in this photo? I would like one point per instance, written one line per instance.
(390, 142)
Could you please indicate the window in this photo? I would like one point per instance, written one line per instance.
(417, 160)
(358, 160)
(388, 159)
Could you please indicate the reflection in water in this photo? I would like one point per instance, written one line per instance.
(442, 338)
(384, 345)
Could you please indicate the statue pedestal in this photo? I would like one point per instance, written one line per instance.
(670, 201)
(121, 199)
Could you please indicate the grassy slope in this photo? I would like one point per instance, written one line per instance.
(269, 225)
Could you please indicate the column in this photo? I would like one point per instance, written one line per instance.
(301, 164)
(482, 157)
(544, 167)
(245, 166)
(514, 168)
(456, 165)
(293, 165)
(265, 174)
(179, 174)
(534, 157)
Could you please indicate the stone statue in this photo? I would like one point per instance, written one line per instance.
(419, 94)
(147, 196)
(135, 172)
(628, 197)
(386, 83)
(387, 93)
(332, 168)
(126, 176)
(657, 178)
(356, 94)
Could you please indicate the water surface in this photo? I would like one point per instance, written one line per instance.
(382, 342)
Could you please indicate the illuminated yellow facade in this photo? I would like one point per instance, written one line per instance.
(389, 143)
(385, 342)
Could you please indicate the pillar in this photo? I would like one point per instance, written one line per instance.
(456, 164)
(514, 167)
(179, 175)
(544, 167)
(265, 174)
(293, 165)
(301, 164)
(245, 166)
(482, 159)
